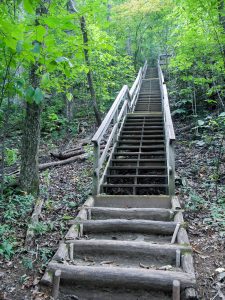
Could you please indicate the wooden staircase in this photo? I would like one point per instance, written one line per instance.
(138, 165)
(129, 239)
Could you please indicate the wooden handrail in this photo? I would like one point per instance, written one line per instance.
(124, 103)
(166, 106)
(169, 131)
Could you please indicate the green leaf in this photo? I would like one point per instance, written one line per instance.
(45, 79)
(69, 96)
(28, 6)
(38, 96)
(40, 32)
(222, 114)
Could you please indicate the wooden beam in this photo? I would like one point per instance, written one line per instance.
(123, 277)
(117, 225)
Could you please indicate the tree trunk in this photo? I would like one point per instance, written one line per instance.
(29, 172)
(89, 74)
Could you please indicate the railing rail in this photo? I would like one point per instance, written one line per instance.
(111, 125)
(169, 131)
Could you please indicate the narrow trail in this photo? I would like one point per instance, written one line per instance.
(129, 239)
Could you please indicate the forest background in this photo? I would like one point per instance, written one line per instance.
(62, 65)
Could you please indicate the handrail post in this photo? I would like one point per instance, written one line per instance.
(96, 169)
(115, 121)
(171, 168)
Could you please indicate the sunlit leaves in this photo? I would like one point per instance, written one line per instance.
(140, 7)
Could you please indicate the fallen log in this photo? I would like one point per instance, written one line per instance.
(70, 153)
(65, 155)
(29, 241)
(62, 162)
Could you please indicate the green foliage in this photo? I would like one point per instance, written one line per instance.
(16, 208)
(11, 156)
(6, 249)
(39, 228)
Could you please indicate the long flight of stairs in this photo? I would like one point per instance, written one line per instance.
(138, 165)
(129, 242)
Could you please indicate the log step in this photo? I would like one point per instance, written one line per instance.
(157, 214)
(123, 225)
(126, 254)
(132, 201)
(122, 277)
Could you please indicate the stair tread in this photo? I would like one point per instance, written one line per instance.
(136, 176)
(139, 160)
(117, 276)
(137, 167)
(133, 185)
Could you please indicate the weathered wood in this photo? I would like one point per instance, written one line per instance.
(62, 162)
(187, 263)
(175, 203)
(160, 214)
(34, 219)
(178, 258)
(175, 233)
(56, 283)
(176, 290)
(133, 201)
(71, 250)
(188, 267)
(127, 247)
(74, 230)
(62, 155)
(117, 225)
(61, 253)
(182, 237)
(123, 277)
(179, 217)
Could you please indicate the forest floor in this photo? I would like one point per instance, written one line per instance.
(65, 188)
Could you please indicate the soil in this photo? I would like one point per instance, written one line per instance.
(65, 188)
(197, 155)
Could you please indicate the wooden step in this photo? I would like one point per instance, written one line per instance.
(159, 153)
(144, 133)
(137, 167)
(142, 148)
(140, 160)
(126, 141)
(122, 277)
(126, 254)
(119, 185)
(123, 225)
(132, 201)
(159, 214)
(147, 128)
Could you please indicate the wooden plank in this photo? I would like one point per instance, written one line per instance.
(117, 225)
(134, 213)
(133, 201)
(122, 277)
